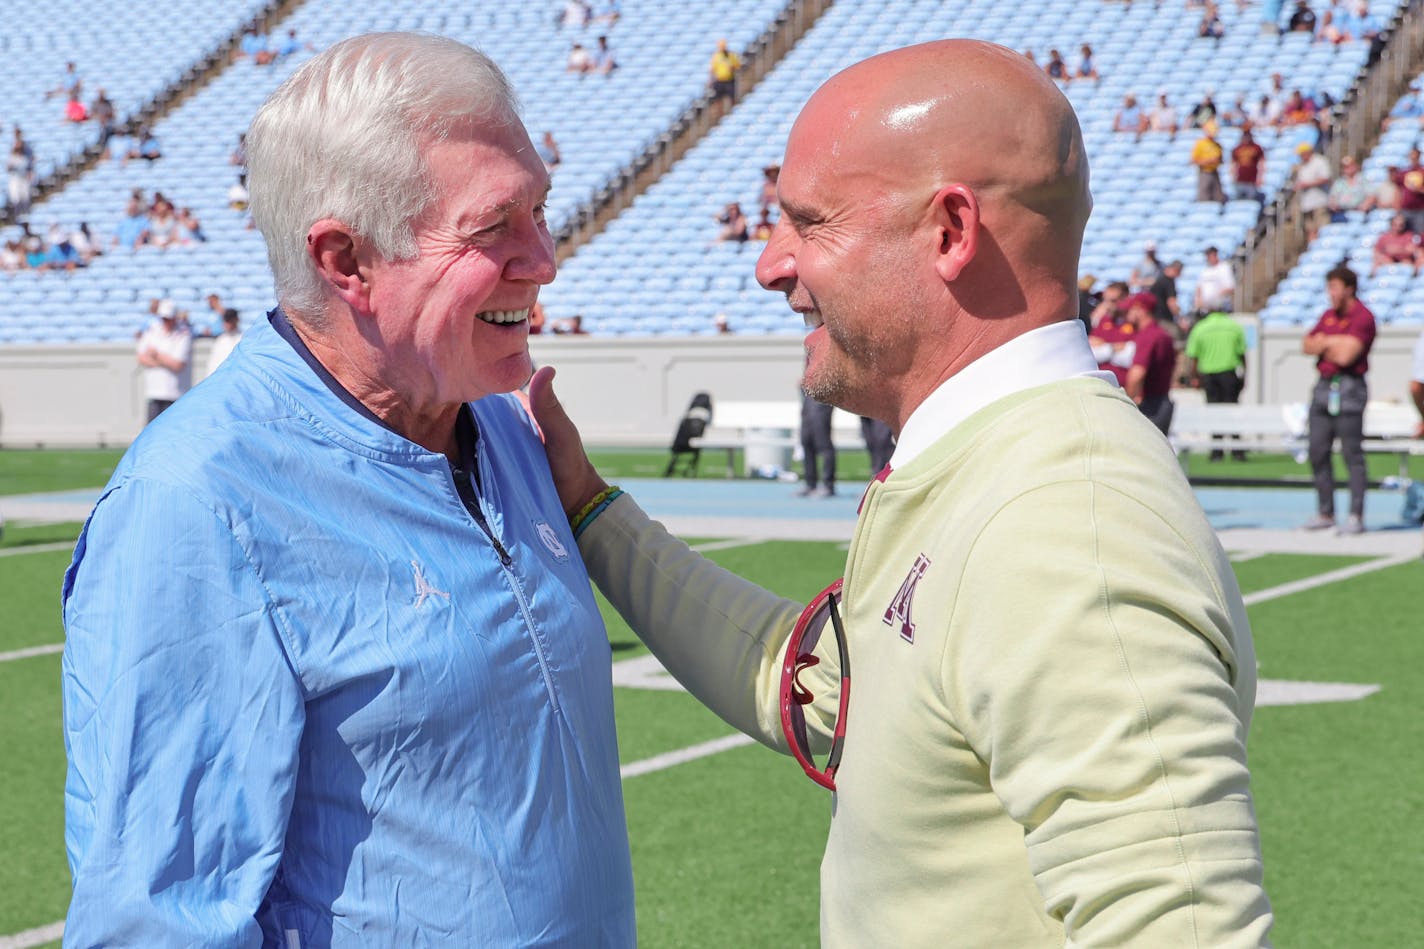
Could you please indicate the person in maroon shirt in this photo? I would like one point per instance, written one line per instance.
(1398, 245)
(1410, 182)
(1154, 362)
(1340, 343)
(1247, 164)
(1110, 331)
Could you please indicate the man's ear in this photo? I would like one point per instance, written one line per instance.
(955, 215)
(333, 251)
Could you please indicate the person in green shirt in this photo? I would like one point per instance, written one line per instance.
(1216, 354)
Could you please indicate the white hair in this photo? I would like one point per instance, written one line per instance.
(345, 138)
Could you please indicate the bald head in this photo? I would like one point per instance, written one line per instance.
(910, 121)
(933, 204)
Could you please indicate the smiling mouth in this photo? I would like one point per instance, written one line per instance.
(504, 317)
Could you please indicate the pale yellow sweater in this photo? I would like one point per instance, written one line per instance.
(1056, 756)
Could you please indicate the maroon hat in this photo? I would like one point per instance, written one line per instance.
(1145, 299)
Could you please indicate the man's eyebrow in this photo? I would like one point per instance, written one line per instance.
(501, 210)
(797, 212)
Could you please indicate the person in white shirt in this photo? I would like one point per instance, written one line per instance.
(1216, 286)
(165, 351)
(226, 341)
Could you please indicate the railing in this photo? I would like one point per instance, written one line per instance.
(694, 123)
(1279, 238)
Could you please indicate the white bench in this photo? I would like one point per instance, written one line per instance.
(1389, 429)
(768, 428)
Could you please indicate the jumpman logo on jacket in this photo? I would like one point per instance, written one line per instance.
(423, 589)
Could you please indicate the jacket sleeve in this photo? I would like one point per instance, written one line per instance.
(1110, 704)
(182, 720)
(721, 636)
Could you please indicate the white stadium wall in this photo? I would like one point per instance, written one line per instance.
(620, 390)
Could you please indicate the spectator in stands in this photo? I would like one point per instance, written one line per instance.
(1264, 113)
(609, 12)
(818, 450)
(571, 326)
(1163, 117)
(1146, 270)
(1398, 245)
(1087, 66)
(12, 257)
(1207, 157)
(1349, 192)
(1204, 111)
(1216, 285)
(1310, 180)
(1409, 181)
(61, 254)
(239, 154)
(721, 324)
(69, 83)
(1302, 19)
(291, 44)
(1130, 118)
(604, 62)
(1211, 26)
(1297, 110)
(1248, 169)
(576, 14)
(165, 350)
(1167, 310)
(101, 110)
(579, 60)
(1340, 342)
(85, 243)
(20, 176)
(1216, 363)
(767, 199)
(1154, 362)
(147, 147)
(132, 230)
(723, 73)
(733, 224)
(226, 341)
(548, 150)
(764, 226)
(537, 319)
(1409, 107)
(1234, 116)
(74, 110)
(1056, 68)
(190, 229)
(163, 229)
(237, 196)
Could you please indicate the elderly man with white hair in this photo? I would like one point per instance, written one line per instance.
(334, 674)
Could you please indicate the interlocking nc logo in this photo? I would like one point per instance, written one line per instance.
(899, 609)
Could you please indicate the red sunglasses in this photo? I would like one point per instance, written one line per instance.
(800, 654)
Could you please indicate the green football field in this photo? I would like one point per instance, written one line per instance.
(726, 846)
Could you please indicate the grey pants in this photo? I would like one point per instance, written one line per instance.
(816, 444)
(1348, 425)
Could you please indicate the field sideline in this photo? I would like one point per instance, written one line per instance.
(726, 837)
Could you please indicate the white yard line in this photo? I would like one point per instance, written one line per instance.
(1241, 556)
(681, 756)
(33, 937)
(30, 653)
(727, 544)
(36, 549)
(1320, 580)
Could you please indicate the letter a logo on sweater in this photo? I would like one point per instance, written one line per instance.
(899, 609)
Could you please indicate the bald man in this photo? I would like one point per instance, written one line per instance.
(1053, 671)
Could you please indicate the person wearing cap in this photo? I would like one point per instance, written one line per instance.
(334, 674)
(1310, 180)
(1207, 156)
(1148, 380)
(165, 351)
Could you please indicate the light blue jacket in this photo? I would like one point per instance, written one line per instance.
(307, 703)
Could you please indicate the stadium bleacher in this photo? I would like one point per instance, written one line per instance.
(656, 268)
